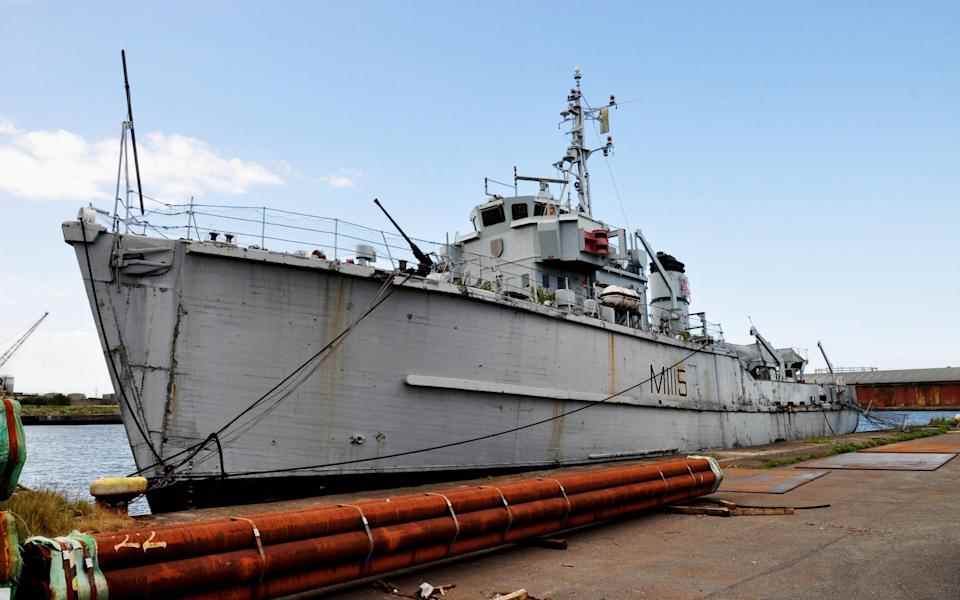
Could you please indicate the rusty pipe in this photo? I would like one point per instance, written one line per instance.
(174, 577)
(330, 575)
(125, 548)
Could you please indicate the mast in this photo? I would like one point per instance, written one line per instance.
(133, 134)
(577, 153)
(577, 148)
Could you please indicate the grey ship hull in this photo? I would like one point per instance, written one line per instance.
(199, 330)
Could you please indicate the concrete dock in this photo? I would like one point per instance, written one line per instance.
(886, 534)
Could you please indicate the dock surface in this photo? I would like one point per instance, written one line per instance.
(886, 534)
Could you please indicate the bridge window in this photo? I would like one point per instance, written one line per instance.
(492, 216)
(539, 209)
(519, 211)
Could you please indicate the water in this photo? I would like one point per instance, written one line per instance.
(68, 457)
(896, 418)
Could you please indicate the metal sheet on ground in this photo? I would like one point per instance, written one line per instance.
(766, 481)
(881, 461)
(941, 444)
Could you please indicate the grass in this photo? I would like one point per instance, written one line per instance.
(943, 423)
(35, 410)
(50, 513)
(773, 463)
(856, 445)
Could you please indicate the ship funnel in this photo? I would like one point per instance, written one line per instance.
(669, 317)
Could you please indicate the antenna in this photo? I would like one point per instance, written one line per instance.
(133, 135)
(577, 153)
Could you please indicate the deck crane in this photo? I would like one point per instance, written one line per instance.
(8, 354)
(762, 341)
(825, 359)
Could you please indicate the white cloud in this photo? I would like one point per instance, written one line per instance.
(338, 181)
(343, 178)
(63, 165)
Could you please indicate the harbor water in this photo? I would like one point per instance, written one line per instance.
(889, 419)
(68, 457)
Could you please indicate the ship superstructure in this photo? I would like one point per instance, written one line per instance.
(543, 337)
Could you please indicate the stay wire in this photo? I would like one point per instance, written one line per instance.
(383, 293)
(309, 367)
(195, 449)
(613, 179)
(480, 438)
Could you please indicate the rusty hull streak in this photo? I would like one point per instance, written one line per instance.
(170, 404)
(612, 385)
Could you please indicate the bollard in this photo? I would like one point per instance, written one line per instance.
(115, 493)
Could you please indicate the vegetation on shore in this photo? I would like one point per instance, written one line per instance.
(51, 513)
(936, 427)
(83, 410)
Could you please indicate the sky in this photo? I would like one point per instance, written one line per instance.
(803, 159)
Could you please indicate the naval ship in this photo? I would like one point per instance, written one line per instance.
(544, 337)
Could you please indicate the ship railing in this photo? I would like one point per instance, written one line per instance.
(515, 278)
(273, 229)
(298, 233)
(700, 327)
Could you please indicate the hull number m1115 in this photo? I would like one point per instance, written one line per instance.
(668, 381)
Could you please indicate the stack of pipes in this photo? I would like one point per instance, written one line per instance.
(276, 554)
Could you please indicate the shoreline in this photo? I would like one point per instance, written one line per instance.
(91, 414)
(72, 420)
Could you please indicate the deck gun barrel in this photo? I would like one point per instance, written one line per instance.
(425, 263)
